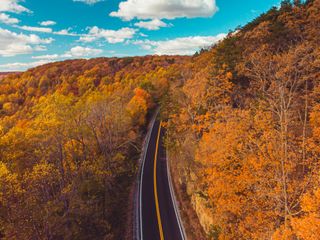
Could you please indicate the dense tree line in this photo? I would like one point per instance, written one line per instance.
(243, 128)
(70, 136)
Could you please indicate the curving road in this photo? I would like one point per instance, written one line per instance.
(158, 214)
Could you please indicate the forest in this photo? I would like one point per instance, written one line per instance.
(242, 123)
(70, 137)
(243, 130)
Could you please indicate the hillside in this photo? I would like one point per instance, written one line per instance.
(70, 137)
(243, 130)
(4, 74)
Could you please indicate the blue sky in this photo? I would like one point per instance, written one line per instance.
(34, 32)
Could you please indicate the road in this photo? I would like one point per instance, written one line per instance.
(158, 214)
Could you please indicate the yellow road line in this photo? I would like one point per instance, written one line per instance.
(155, 185)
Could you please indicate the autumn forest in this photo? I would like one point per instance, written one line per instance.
(242, 121)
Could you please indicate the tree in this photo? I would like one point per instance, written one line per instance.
(237, 157)
(279, 81)
(11, 192)
(138, 106)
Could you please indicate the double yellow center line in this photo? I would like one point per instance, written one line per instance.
(155, 185)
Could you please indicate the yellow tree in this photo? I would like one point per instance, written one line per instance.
(239, 165)
(306, 225)
(139, 105)
(282, 83)
(11, 203)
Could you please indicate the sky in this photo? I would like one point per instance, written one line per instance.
(35, 32)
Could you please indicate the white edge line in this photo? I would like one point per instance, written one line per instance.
(174, 200)
(142, 170)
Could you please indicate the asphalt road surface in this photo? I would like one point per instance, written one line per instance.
(158, 218)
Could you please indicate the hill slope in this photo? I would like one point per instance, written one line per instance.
(243, 130)
(70, 135)
(4, 74)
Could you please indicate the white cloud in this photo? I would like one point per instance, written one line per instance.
(12, 44)
(47, 23)
(18, 66)
(5, 18)
(164, 9)
(40, 48)
(90, 2)
(65, 32)
(35, 29)
(180, 46)
(111, 36)
(46, 57)
(12, 6)
(75, 52)
(79, 51)
(154, 24)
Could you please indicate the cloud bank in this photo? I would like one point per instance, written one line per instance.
(111, 36)
(12, 6)
(6, 19)
(164, 9)
(89, 2)
(48, 23)
(12, 44)
(180, 46)
(154, 24)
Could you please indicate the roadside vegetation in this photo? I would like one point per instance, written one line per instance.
(70, 137)
(243, 129)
